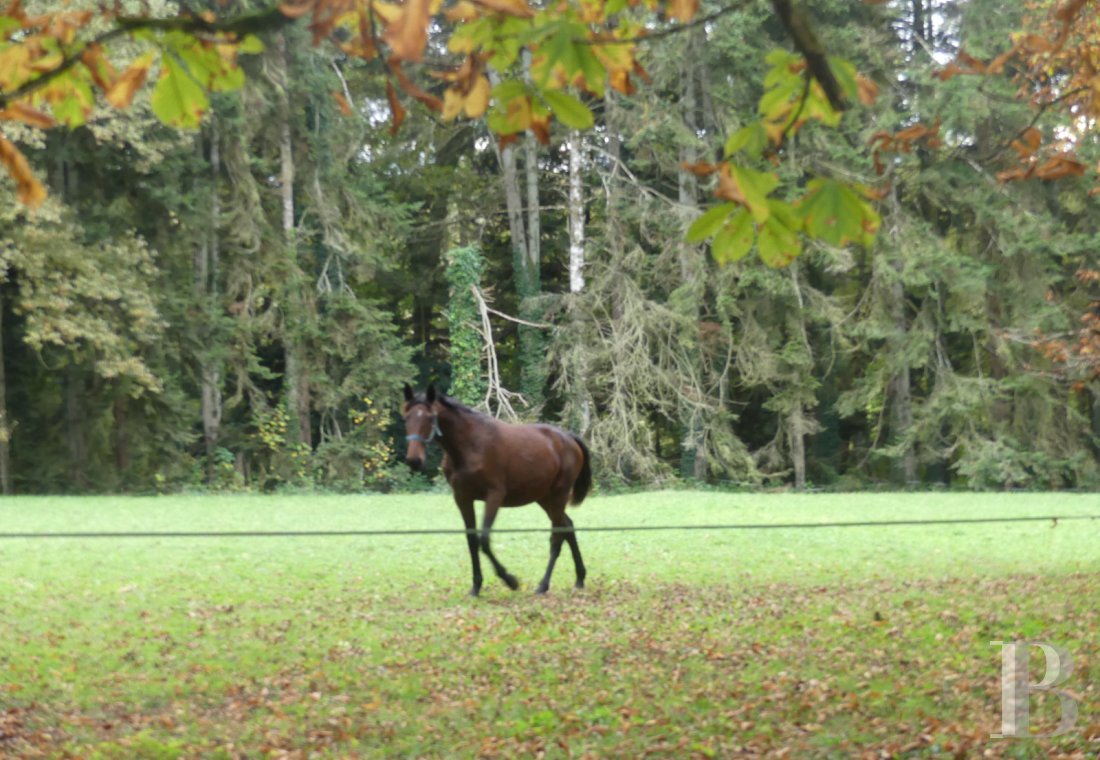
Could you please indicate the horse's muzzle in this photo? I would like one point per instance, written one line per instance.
(415, 463)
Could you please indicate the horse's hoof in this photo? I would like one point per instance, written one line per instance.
(474, 592)
(510, 581)
(541, 590)
(579, 585)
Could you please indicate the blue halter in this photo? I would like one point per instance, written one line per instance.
(436, 433)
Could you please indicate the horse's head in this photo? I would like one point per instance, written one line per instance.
(421, 425)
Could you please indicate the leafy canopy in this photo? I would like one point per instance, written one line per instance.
(518, 66)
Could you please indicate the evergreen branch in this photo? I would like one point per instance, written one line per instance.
(1040, 109)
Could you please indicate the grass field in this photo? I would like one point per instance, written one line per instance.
(805, 643)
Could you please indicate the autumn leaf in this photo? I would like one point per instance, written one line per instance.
(28, 189)
(777, 240)
(178, 101)
(18, 111)
(426, 98)
(342, 103)
(517, 8)
(683, 10)
(100, 69)
(746, 187)
(1059, 167)
(297, 8)
(700, 169)
(121, 92)
(453, 101)
(477, 100)
(396, 109)
(407, 36)
(833, 212)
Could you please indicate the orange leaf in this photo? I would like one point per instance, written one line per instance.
(868, 90)
(431, 101)
(701, 169)
(296, 8)
(1068, 11)
(407, 36)
(727, 188)
(517, 8)
(997, 65)
(1015, 173)
(620, 81)
(396, 108)
(342, 103)
(461, 11)
(121, 92)
(1059, 167)
(98, 66)
(29, 190)
(540, 127)
(682, 10)
(24, 113)
(1032, 137)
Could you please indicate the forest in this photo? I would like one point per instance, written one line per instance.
(237, 306)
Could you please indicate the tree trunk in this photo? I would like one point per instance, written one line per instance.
(796, 437)
(575, 146)
(899, 390)
(525, 260)
(576, 213)
(205, 272)
(797, 424)
(692, 262)
(121, 441)
(532, 342)
(74, 427)
(5, 425)
(296, 381)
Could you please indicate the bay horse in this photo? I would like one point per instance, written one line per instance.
(504, 465)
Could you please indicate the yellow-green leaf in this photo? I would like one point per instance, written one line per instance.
(834, 213)
(709, 222)
(734, 240)
(752, 138)
(569, 110)
(178, 101)
(778, 243)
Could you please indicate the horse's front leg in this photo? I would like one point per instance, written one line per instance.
(492, 504)
(469, 517)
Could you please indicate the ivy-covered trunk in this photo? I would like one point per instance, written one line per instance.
(464, 267)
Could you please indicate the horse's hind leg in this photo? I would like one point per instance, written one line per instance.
(578, 563)
(491, 506)
(562, 531)
(557, 538)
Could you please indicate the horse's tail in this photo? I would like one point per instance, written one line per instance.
(584, 479)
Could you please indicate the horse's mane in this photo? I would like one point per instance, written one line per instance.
(457, 406)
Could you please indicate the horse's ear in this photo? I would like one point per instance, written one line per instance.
(431, 393)
(408, 392)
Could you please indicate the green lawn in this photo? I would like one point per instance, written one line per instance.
(820, 643)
